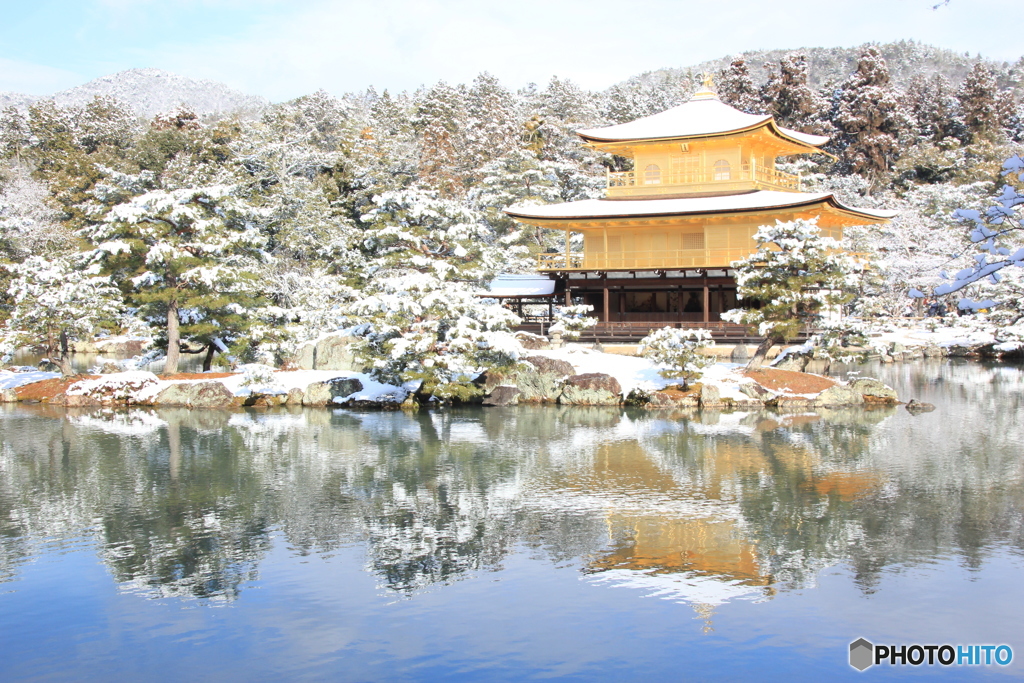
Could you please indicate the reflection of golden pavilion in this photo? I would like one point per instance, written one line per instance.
(646, 512)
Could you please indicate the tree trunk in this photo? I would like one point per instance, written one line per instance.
(64, 361)
(211, 351)
(173, 340)
(760, 354)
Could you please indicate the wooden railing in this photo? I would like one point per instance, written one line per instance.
(663, 259)
(642, 260)
(700, 178)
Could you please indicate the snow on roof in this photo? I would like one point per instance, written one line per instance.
(508, 284)
(627, 208)
(709, 116)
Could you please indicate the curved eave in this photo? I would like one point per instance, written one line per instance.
(866, 215)
(806, 147)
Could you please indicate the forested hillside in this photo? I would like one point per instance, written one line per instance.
(251, 234)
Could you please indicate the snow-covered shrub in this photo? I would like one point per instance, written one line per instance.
(679, 351)
(570, 321)
(420, 327)
(260, 379)
(124, 387)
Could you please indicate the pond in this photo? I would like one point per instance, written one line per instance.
(511, 544)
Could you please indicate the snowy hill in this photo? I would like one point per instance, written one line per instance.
(905, 58)
(16, 99)
(152, 91)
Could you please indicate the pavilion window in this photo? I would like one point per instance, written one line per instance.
(722, 170)
(652, 175)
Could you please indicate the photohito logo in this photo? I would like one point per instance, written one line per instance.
(864, 654)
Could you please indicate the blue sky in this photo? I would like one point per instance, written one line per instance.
(285, 48)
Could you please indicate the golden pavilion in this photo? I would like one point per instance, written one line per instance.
(658, 248)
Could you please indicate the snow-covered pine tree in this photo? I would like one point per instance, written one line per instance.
(791, 100)
(934, 108)
(185, 256)
(56, 300)
(736, 88)
(493, 129)
(421, 319)
(794, 278)
(517, 178)
(977, 97)
(870, 117)
(561, 109)
(440, 125)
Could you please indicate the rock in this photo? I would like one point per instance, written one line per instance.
(316, 394)
(897, 348)
(532, 342)
(839, 395)
(739, 354)
(792, 402)
(932, 352)
(75, 400)
(264, 400)
(8, 396)
(792, 361)
(410, 403)
(503, 396)
(306, 356)
(194, 395)
(334, 353)
(109, 368)
(916, 407)
(885, 358)
(122, 347)
(897, 356)
(710, 396)
(538, 388)
(674, 397)
(323, 393)
(818, 366)
(295, 397)
(874, 391)
(47, 365)
(591, 389)
(755, 391)
(551, 366)
(83, 347)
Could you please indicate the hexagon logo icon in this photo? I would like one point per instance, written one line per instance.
(862, 654)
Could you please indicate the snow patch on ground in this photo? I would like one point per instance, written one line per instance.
(13, 380)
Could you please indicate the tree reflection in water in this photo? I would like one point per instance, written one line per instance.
(700, 507)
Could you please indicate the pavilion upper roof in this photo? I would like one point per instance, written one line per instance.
(703, 116)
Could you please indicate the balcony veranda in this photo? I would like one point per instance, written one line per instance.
(699, 180)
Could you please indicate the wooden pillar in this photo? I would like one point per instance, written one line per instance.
(607, 308)
(567, 264)
(707, 302)
(551, 309)
(568, 294)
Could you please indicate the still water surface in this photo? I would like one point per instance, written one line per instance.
(511, 544)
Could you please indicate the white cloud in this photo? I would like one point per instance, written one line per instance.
(35, 79)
